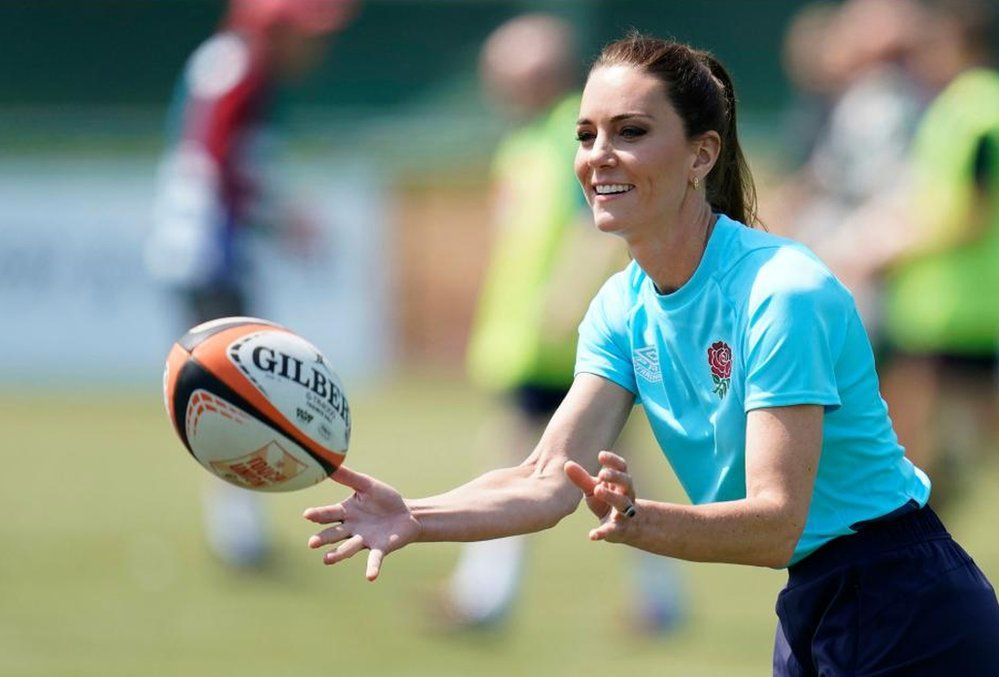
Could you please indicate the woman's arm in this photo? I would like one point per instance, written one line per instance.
(782, 454)
(530, 497)
(536, 494)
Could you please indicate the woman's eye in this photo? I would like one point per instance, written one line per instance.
(583, 137)
(632, 132)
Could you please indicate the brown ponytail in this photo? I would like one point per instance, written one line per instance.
(730, 184)
(701, 91)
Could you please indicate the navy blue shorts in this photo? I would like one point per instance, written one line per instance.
(212, 302)
(538, 401)
(899, 597)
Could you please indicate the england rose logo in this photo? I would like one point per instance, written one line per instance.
(720, 361)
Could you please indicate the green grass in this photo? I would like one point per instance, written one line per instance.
(104, 571)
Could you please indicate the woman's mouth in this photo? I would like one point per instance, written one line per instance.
(609, 191)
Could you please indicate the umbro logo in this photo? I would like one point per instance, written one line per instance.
(647, 364)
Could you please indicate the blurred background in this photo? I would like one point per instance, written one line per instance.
(363, 173)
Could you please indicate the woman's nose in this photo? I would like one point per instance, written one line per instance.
(602, 153)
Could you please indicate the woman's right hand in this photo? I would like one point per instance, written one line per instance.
(610, 495)
(375, 518)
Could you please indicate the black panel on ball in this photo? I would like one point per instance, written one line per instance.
(194, 376)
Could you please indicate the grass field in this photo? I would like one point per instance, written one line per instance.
(104, 571)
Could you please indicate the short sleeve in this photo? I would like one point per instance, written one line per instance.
(603, 347)
(798, 317)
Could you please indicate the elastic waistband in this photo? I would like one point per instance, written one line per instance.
(872, 538)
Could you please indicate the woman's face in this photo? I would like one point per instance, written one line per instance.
(634, 160)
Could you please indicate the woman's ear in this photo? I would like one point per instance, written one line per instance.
(706, 149)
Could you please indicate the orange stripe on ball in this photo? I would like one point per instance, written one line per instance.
(175, 361)
(212, 355)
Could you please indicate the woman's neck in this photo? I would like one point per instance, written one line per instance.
(670, 253)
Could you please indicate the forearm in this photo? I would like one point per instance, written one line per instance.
(524, 499)
(536, 494)
(752, 531)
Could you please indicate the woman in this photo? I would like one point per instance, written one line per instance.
(758, 380)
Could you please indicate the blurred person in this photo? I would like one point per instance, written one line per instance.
(758, 379)
(938, 245)
(218, 187)
(806, 62)
(546, 261)
(864, 147)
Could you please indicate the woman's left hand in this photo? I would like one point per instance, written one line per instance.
(610, 495)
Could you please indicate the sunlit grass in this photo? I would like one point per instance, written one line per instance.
(104, 571)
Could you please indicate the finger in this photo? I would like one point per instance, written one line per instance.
(612, 460)
(618, 501)
(621, 479)
(329, 536)
(597, 507)
(348, 549)
(326, 514)
(375, 558)
(355, 480)
(603, 532)
(578, 475)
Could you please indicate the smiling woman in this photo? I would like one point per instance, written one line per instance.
(758, 380)
(658, 137)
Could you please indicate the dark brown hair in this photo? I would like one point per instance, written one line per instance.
(700, 90)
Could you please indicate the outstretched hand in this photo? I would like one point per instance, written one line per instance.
(375, 518)
(610, 495)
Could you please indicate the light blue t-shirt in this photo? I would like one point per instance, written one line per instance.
(761, 323)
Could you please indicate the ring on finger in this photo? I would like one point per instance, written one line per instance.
(629, 510)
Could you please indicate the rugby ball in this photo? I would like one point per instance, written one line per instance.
(256, 404)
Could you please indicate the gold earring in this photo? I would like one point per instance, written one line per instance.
(697, 182)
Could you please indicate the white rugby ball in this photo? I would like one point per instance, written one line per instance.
(256, 404)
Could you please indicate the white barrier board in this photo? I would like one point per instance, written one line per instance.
(76, 301)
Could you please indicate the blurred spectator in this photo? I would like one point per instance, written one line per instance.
(941, 250)
(863, 150)
(805, 57)
(217, 186)
(547, 261)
